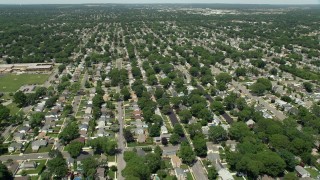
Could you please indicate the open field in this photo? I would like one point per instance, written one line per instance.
(12, 82)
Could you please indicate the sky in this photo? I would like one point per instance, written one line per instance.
(160, 1)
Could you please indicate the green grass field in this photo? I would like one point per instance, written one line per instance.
(12, 82)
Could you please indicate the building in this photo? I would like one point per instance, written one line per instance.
(14, 147)
(26, 67)
(303, 173)
(37, 144)
(28, 165)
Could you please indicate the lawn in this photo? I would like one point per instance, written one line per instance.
(111, 158)
(12, 82)
(13, 108)
(314, 173)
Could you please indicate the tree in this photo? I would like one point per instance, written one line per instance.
(70, 132)
(200, 146)
(258, 88)
(186, 153)
(20, 98)
(158, 150)
(128, 136)
(272, 162)
(153, 161)
(217, 106)
(4, 112)
(4, 172)
(266, 82)
(212, 173)
(36, 119)
(174, 139)
(279, 141)
(164, 141)
(154, 130)
(194, 129)
(315, 110)
(217, 134)
(58, 167)
(89, 166)
(239, 130)
(308, 87)
(61, 68)
(75, 148)
(185, 115)
(241, 71)
(126, 93)
(177, 129)
(273, 71)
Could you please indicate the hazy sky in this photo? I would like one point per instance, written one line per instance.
(160, 1)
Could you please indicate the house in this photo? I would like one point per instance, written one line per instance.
(175, 161)
(164, 130)
(250, 123)
(139, 130)
(14, 147)
(303, 173)
(83, 127)
(100, 174)
(231, 144)
(37, 144)
(224, 174)
(101, 133)
(169, 151)
(18, 137)
(24, 129)
(180, 174)
(141, 138)
(70, 162)
(28, 165)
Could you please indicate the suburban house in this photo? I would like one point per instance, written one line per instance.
(28, 165)
(301, 172)
(36, 145)
(14, 147)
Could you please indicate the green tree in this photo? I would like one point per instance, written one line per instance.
(239, 130)
(200, 146)
(4, 172)
(308, 87)
(153, 161)
(75, 148)
(36, 119)
(4, 113)
(174, 139)
(58, 167)
(217, 134)
(89, 166)
(126, 93)
(212, 173)
(186, 153)
(20, 98)
(177, 129)
(69, 133)
(185, 115)
(217, 107)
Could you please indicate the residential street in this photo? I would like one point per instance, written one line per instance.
(121, 141)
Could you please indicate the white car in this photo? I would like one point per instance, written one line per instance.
(39, 157)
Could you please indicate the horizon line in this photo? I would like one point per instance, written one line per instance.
(155, 3)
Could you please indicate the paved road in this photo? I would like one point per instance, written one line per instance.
(121, 142)
(198, 171)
